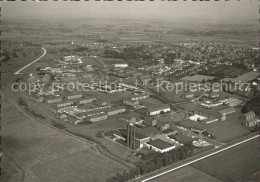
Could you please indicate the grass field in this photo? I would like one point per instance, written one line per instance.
(187, 174)
(46, 155)
(237, 164)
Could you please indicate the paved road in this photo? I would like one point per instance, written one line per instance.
(26, 66)
(198, 159)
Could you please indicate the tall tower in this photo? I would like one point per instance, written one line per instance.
(131, 135)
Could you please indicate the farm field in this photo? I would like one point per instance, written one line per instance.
(35, 152)
(237, 164)
(186, 174)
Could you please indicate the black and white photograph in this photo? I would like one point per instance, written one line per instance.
(130, 91)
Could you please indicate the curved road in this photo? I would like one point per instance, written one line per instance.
(26, 66)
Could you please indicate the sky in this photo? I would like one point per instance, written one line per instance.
(214, 10)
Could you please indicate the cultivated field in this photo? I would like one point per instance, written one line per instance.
(187, 174)
(237, 164)
(38, 153)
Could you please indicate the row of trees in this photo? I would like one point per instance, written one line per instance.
(252, 105)
(153, 162)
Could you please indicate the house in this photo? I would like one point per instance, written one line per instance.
(250, 119)
(158, 110)
(162, 126)
(252, 122)
(225, 112)
(159, 145)
(250, 115)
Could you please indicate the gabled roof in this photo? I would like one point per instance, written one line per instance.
(249, 114)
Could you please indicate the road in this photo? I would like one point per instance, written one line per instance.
(198, 159)
(26, 66)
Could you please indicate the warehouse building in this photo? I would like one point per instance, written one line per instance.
(159, 145)
(158, 110)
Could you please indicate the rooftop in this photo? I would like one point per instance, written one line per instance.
(226, 111)
(160, 144)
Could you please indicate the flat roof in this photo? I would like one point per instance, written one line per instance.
(160, 144)
(227, 110)
(159, 108)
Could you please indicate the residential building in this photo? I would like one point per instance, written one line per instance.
(250, 115)
(252, 122)
(250, 119)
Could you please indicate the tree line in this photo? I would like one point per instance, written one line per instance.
(153, 162)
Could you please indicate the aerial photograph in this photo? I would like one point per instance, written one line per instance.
(130, 91)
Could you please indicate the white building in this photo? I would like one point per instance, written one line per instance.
(158, 110)
(120, 65)
(159, 145)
